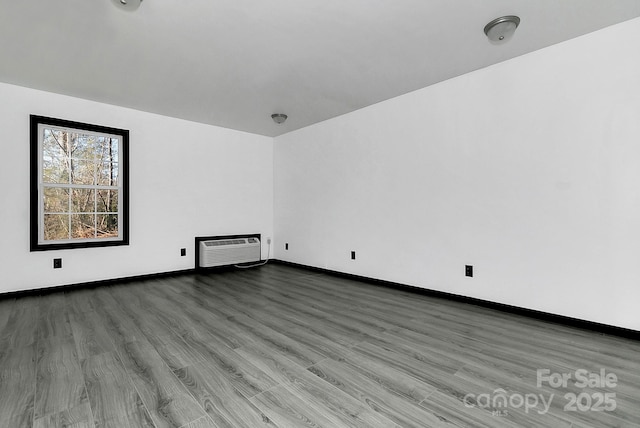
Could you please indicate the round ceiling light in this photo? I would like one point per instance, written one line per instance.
(129, 5)
(501, 29)
(279, 118)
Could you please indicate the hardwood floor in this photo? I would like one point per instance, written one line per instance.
(280, 346)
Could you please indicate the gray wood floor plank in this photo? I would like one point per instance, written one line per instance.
(313, 402)
(341, 405)
(21, 327)
(60, 382)
(301, 354)
(428, 374)
(77, 417)
(375, 395)
(216, 393)
(115, 402)
(147, 318)
(175, 352)
(17, 386)
(452, 413)
(288, 410)
(395, 380)
(80, 299)
(274, 363)
(164, 396)
(6, 305)
(118, 324)
(200, 320)
(327, 328)
(245, 377)
(205, 422)
(53, 318)
(89, 334)
(427, 355)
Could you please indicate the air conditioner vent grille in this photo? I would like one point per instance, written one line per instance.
(224, 242)
(222, 252)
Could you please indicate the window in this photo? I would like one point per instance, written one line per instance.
(79, 185)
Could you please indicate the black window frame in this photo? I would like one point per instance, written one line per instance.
(123, 175)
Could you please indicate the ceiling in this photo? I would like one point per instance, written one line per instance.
(233, 63)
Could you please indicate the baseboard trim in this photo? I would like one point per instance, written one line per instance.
(119, 280)
(531, 313)
(93, 284)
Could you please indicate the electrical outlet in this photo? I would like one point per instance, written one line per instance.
(183, 252)
(57, 263)
(286, 246)
(468, 270)
(268, 241)
(353, 255)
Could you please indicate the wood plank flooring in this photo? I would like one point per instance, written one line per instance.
(279, 347)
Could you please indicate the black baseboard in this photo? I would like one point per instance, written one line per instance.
(531, 313)
(93, 284)
(120, 280)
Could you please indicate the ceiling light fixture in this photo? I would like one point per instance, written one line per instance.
(279, 118)
(129, 5)
(501, 29)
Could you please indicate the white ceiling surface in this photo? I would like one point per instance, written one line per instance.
(233, 63)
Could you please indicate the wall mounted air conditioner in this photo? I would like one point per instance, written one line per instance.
(222, 252)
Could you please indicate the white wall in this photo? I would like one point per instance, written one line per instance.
(187, 179)
(529, 170)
